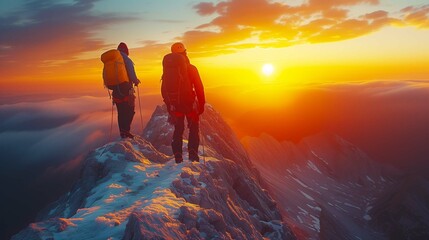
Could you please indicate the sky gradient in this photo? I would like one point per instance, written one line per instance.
(58, 43)
(358, 68)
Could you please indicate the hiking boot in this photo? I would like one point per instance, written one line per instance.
(178, 157)
(125, 134)
(193, 156)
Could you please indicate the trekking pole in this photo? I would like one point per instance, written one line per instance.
(111, 128)
(111, 124)
(140, 106)
(111, 119)
(202, 140)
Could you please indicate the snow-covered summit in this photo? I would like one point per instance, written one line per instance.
(130, 189)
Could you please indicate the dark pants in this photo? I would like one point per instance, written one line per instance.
(124, 99)
(125, 115)
(179, 127)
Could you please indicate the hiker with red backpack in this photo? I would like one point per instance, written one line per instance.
(119, 76)
(183, 93)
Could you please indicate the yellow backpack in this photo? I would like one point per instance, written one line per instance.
(114, 71)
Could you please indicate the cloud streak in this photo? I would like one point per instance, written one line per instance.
(46, 33)
(241, 24)
(416, 16)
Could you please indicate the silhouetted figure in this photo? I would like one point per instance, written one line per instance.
(123, 95)
(183, 93)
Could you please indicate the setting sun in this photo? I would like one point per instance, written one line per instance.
(268, 69)
(325, 101)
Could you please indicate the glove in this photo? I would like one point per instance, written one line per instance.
(201, 108)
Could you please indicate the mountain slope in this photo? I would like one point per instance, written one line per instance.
(130, 190)
(403, 212)
(325, 185)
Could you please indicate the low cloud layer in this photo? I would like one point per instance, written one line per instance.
(56, 131)
(42, 148)
(51, 131)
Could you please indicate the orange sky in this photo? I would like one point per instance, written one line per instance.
(51, 49)
(229, 41)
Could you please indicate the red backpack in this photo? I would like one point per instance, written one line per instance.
(176, 88)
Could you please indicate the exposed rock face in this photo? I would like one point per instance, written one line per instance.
(131, 189)
(327, 188)
(403, 212)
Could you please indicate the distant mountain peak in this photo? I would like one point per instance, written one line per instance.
(328, 188)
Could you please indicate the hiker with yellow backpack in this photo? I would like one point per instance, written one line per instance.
(119, 76)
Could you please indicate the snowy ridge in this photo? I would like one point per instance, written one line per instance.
(218, 139)
(130, 190)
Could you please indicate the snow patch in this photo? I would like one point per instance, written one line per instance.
(299, 182)
(314, 208)
(316, 223)
(115, 185)
(369, 179)
(313, 166)
(323, 160)
(303, 210)
(307, 196)
(351, 205)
